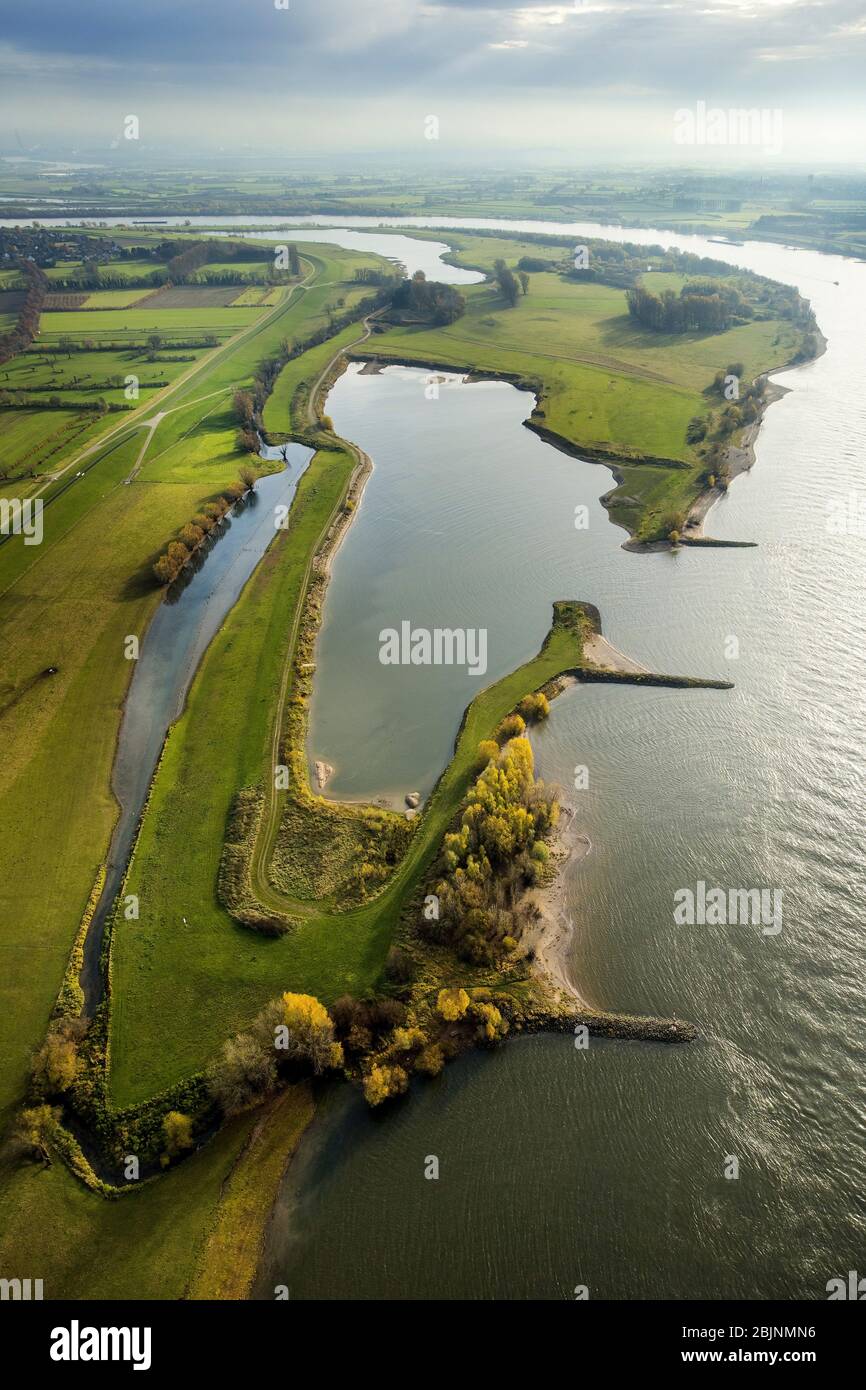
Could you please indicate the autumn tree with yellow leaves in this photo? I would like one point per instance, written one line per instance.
(495, 853)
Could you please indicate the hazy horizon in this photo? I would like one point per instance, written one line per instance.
(582, 83)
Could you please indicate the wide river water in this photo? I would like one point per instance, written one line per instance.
(607, 1167)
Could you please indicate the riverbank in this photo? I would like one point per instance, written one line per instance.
(231, 1251)
(741, 458)
(549, 945)
(548, 942)
(616, 460)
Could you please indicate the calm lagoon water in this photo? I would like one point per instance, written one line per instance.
(606, 1168)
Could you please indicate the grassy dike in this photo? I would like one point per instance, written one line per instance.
(178, 991)
(69, 603)
(229, 1257)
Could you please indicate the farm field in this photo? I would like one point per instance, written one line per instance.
(121, 270)
(32, 441)
(172, 322)
(115, 299)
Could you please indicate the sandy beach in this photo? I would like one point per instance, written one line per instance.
(551, 936)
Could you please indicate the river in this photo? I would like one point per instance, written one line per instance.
(176, 639)
(607, 1168)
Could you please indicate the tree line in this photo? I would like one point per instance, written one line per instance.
(701, 306)
(19, 338)
(192, 536)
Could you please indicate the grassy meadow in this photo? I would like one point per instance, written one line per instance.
(146, 1245)
(605, 383)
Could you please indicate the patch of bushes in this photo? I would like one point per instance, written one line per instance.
(488, 862)
(292, 1034)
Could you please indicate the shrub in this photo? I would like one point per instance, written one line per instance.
(512, 726)
(308, 1033)
(345, 1012)
(383, 1082)
(430, 1060)
(245, 1073)
(487, 861)
(488, 749)
(164, 570)
(492, 1027)
(33, 1130)
(56, 1064)
(399, 965)
(534, 708)
(452, 1003)
(177, 1129)
(247, 442)
(696, 430)
(191, 536)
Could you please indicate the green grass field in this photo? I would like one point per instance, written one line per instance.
(135, 324)
(146, 1245)
(119, 270)
(607, 384)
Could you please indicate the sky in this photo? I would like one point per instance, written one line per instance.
(588, 80)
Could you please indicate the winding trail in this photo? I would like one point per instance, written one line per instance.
(264, 846)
